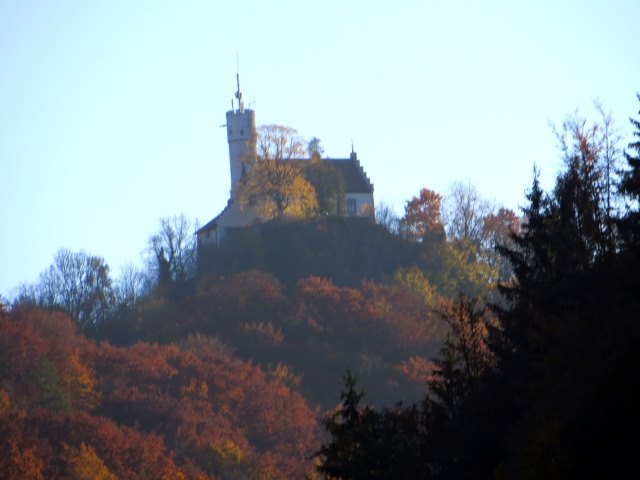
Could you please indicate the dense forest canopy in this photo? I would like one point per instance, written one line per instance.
(219, 364)
(544, 386)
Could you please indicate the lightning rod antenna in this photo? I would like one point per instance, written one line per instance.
(238, 92)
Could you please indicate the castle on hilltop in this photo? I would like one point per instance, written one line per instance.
(242, 137)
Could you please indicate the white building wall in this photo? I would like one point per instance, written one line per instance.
(364, 204)
(232, 216)
(242, 137)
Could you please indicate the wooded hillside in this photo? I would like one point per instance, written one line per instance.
(524, 334)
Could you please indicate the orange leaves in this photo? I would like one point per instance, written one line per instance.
(195, 389)
(81, 380)
(223, 307)
(5, 402)
(225, 455)
(322, 288)
(20, 348)
(83, 463)
(265, 332)
(499, 226)
(142, 360)
(417, 369)
(127, 452)
(400, 310)
(423, 215)
(319, 300)
(370, 329)
(22, 464)
(247, 289)
(213, 396)
(468, 321)
(274, 182)
(42, 347)
(123, 407)
(285, 375)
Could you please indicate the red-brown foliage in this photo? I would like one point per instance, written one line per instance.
(423, 216)
(146, 411)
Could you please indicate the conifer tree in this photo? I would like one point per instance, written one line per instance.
(341, 458)
(630, 186)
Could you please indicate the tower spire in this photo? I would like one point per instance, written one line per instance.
(241, 136)
(238, 92)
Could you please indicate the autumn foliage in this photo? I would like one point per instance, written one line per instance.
(423, 216)
(191, 410)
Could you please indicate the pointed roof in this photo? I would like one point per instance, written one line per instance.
(355, 180)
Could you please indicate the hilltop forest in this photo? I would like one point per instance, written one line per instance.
(459, 340)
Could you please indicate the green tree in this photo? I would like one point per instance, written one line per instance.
(462, 269)
(539, 392)
(328, 184)
(630, 186)
(366, 444)
(413, 278)
(314, 148)
(585, 190)
(47, 380)
(341, 458)
(563, 345)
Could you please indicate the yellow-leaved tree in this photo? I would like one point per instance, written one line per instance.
(83, 463)
(274, 181)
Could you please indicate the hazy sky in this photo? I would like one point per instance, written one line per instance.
(110, 111)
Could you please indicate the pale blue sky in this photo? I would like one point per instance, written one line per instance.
(110, 111)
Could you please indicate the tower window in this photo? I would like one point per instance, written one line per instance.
(351, 206)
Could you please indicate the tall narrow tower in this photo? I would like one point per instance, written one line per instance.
(242, 137)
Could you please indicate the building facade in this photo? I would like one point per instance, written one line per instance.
(242, 140)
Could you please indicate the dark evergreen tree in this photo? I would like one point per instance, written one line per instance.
(631, 179)
(565, 334)
(329, 185)
(630, 186)
(366, 444)
(343, 457)
(555, 397)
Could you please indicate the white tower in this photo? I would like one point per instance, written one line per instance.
(242, 137)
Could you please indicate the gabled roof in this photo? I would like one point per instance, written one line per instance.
(355, 180)
(213, 223)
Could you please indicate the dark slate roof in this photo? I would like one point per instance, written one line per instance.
(213, 223)
(355, 180)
